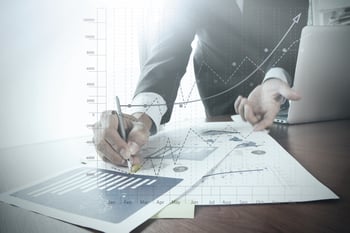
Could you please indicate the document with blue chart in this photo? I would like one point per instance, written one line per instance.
(256, 169)
(101, 196)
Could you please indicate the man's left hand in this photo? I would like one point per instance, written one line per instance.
(263, 103)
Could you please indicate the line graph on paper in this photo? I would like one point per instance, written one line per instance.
(256, 171)
(254, 168)
(176, 150)
(242, 168)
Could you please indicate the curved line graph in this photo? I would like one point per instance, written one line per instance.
(285, 52)
(176, 150)
(227, 80)
(232, 172)
(295, 21)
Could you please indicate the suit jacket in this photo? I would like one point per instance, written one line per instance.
(231, 44)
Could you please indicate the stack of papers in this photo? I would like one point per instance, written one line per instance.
(221, 163)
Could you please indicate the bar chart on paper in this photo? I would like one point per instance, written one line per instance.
(103, 197)
(97, 193)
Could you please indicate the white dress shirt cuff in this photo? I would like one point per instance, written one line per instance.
(278, 73)
(151, 104)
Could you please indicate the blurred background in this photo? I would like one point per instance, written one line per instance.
(63, 62)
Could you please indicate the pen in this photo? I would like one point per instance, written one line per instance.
(249, 133)
(121, 127)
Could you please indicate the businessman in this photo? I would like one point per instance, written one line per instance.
(244, 63)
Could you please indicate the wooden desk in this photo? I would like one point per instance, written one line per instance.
(324, 150)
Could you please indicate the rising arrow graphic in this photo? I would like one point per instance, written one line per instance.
(295, 21)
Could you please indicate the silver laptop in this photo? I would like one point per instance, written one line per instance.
(322, 76)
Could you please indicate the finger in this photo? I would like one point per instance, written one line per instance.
(104, 119)
(266, 122)
(137, 159)
(263, 124)
(109, 154)
(106, 160)
(237, 102)
(249, 114)
(288, 92)
(97, 130)
(138, 136)
(109, 120)
(241, 108)
(112, 136)
(115, 141)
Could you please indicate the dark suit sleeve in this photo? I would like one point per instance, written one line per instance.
(167, 54)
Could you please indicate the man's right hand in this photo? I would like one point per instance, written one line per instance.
(110, 145)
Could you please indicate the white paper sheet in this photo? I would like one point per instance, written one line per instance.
(107, 198)
(218, 163)
(259, 172)
(256, 170)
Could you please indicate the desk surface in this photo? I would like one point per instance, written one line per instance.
(322, 148)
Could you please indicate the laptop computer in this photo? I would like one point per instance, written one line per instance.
(322, 76)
